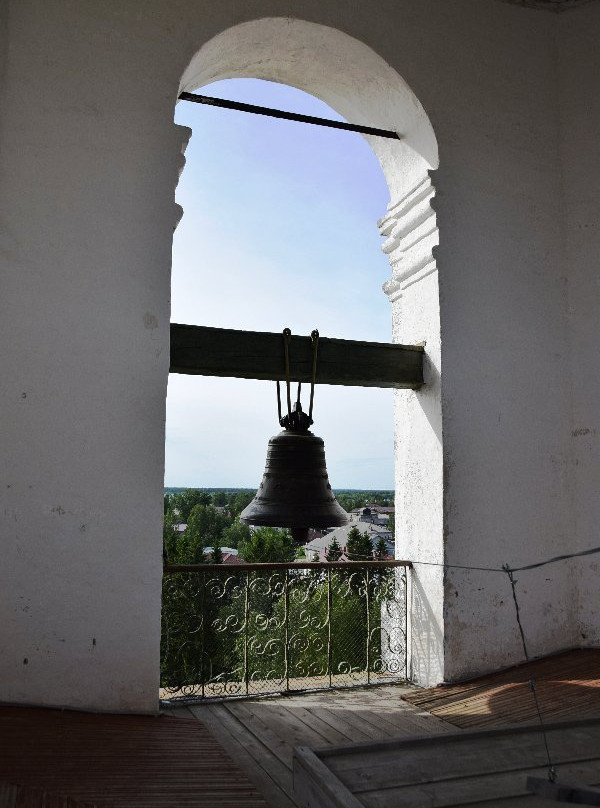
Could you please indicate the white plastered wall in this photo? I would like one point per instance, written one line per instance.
(579, 63)
(89, 161)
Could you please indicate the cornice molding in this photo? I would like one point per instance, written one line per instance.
(410, 233)
(182, 138)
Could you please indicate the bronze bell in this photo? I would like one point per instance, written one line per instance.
(295, 490)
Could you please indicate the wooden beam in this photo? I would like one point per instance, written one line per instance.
(259, 355)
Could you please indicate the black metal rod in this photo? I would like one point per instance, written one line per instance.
(288, 116)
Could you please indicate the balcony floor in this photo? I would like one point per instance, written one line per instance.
(239, 754)
(260, 734)
(55, 758)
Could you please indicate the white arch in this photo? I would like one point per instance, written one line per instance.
(361, 86)
(338, 69)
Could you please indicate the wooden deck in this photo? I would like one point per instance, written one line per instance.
(478, 769)
(60, 758)
(567, 686)
(239, 754)
(260, 734)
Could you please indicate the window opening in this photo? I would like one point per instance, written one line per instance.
(275, 281)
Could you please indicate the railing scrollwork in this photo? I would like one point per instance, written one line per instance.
(253, 629)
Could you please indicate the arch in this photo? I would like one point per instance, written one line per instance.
(338, 69)
(349, 76)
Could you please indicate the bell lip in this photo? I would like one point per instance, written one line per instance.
(297, 519)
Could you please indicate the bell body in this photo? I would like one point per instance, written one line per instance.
(295, 490)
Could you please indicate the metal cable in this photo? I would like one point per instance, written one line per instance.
(287, 336)
(551, 769)
(278, 401)
(526, 567)
(314, 336)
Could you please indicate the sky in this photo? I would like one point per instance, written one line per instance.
(279, 229)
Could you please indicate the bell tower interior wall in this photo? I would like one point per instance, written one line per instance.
(89, 161)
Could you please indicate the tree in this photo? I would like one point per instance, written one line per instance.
(381, 550)
(187, 500)
(358, 546)
(391, 524)
(219, 499)
(169, 537)
(216, 556)
(205, 527)
(334, 551)
(235, 534)
(239, 501)
(268, 544)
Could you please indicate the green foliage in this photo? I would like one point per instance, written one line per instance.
(267, 544)
(391, 524)
(308, 627)
(187, 500)
(349, 500)
(239, 501)
(203, 637)
(358, 546)
(193, 649)
(219, 499)
(169, 537)
(216, 556)
(205, 526)
(234, 534)
(380, 550)
(334, 551)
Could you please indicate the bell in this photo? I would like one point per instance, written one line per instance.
(295, 490)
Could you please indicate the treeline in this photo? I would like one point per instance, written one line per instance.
(212, 522)
(234, 500)
(212, 519)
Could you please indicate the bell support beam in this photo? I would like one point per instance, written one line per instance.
(199, 350)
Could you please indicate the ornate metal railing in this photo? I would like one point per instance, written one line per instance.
(254, 629)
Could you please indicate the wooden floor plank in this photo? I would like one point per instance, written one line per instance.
(481, 767)
(328, 733)
(262, 733)
(258, 762)
(125, 760)
(359, 726)
(567, 686)
(282, 723)
(336, 717)
(276, 742)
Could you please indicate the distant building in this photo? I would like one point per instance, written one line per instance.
(371, 526)
(229, 551)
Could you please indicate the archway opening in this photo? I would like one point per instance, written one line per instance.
(359, 85)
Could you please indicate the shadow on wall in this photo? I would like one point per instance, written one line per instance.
(426, 642)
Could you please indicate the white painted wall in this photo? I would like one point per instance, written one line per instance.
(579, 63)
(89, 158)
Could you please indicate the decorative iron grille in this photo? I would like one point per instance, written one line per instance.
(251, 629)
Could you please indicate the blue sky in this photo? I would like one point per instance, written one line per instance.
(279, 229)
